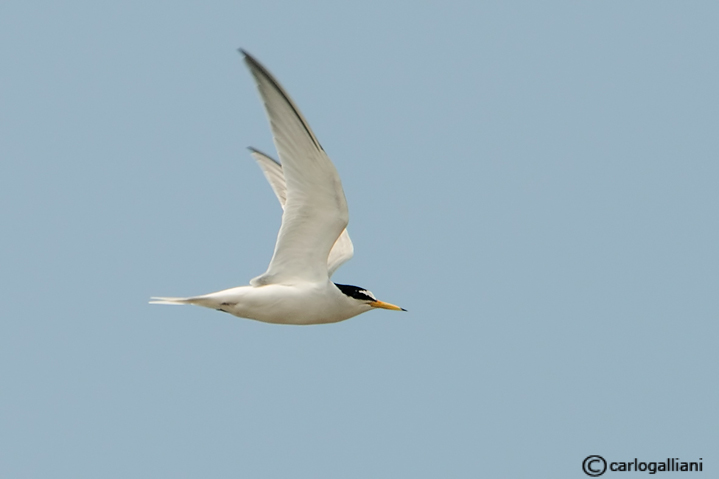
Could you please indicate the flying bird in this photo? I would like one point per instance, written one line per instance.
(313, 240)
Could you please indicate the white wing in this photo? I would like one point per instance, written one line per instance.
(343, 249)
(316, 210)
(273, 172)
(340, 253)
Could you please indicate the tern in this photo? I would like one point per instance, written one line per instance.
(313, 240)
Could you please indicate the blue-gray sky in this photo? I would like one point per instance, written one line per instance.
(536, 182)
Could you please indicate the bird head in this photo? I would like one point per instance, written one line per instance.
(366, 296)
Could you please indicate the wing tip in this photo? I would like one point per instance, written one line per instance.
(252, 61)
(260, 73)
(255, 152)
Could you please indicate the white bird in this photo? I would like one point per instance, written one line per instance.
(313, 240)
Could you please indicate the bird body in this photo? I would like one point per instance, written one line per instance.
(313, 240)
(302, 303)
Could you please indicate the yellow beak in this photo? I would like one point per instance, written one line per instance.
(383, 305)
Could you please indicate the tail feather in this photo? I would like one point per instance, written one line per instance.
(161, 300)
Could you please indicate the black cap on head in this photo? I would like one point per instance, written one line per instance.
(356, 292)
